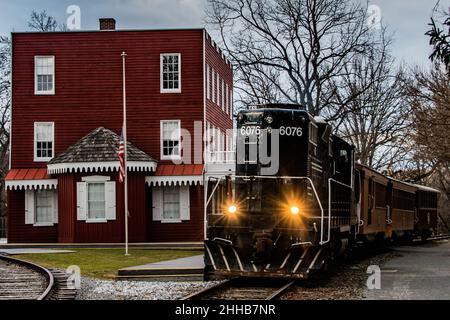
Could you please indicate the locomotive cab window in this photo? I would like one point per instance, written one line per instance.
(313, 134)
(343, 156)
(314, 137)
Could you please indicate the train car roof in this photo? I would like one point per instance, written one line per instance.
(424, 188)
(376, 175)
(401, 185)
(290, 106)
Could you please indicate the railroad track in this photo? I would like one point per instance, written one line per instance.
(23, 280)
(440, 237)
(244, 289)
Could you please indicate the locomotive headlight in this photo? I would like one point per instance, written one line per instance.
(295, 210)
(232, 209)
(269, 119)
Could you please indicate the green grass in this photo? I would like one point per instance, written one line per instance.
(104, 263)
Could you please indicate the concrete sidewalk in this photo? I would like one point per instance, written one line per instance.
(420, 273)
(31, 251)
(148, 245)
(190, 268)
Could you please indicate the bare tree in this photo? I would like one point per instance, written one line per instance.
(440, 38)
(428, 94)
(288, 50)
(5, 108)
(377, 118)
(41, 21)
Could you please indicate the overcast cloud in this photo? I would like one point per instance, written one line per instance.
(408, 19)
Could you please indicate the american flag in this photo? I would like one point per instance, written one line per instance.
(121, 159)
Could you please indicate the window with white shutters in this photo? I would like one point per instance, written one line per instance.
(96, 199)
(43, 201)
(41, 207)
(171, 204)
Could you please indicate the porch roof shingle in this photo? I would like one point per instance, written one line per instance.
(101, 145)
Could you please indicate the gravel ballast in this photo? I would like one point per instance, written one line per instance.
(93, 289)
(346, 281)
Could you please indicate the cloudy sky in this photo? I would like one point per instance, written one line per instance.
(407, 19)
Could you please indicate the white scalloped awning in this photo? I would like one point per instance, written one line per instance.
(32, 178)
(177, 175)
(31, 184)
(160, 181)
(136, 166)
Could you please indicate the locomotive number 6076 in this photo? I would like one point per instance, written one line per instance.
(291, 131)
(250, 130)
(283, 131)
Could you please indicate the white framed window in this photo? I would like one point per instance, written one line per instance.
(218, 88)
(41, 207)
(171, 73)
(227, 98)
(44, 79)
(96, 209)
(223, 96)
(170, 139)
(96, 199)
(171, 204)
(231, 104)
(213, 84)
(44, 141)
(208, 84)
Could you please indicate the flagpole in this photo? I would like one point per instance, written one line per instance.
(126, 154)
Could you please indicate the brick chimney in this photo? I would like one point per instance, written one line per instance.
(107, 24)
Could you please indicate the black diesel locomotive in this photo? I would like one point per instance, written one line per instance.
(294, 203)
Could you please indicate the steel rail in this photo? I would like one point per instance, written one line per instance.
(50, 279)
(273, 293)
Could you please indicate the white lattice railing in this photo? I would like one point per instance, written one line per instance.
(220, 157)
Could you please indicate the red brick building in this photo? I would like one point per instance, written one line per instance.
(63, 185)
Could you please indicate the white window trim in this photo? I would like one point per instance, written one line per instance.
(227, 99)
(208, 84)
(161, 140)
(161, 73)
(213, 83)
(96, 179)
(46, 159)
(96, 221)
(36, 91)
(223, 96)
(44, 224)
(167, 221)
(218, 89)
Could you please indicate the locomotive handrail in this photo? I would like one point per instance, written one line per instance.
(214, 190)
(322, 213)
(329, 208)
